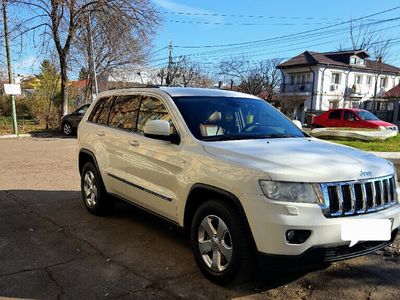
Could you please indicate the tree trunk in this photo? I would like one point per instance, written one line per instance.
(64, 80)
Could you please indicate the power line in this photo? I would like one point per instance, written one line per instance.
(290, 35)
(247, 24)
(278, 40)
(246, 16)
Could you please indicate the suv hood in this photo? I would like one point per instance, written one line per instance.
(301, 159)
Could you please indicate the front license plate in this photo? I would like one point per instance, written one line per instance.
(366, 230)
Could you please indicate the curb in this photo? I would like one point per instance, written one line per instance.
(15, 136)
(27, 135)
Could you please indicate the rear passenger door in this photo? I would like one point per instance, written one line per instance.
(114, 118)
(152, 165)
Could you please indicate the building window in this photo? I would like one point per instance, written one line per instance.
(336, 78)
(369, 80)
(383, 82)
(355, 60)
(358, 79)
(292, 78)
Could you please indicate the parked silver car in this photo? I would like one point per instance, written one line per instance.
(69, 123)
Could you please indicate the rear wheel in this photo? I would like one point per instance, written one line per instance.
(94, 194)
(221, 243)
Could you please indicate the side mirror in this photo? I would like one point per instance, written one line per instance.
(298, 124)
(160, 130)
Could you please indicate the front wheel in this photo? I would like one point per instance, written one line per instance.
(221, 243)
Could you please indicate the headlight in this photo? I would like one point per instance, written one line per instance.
(288, 191)
(382, 128)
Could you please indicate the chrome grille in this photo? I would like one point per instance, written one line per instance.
(358, 197)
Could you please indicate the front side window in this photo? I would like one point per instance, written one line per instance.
(152, 109)
(367, 116)
(349, 116)
(335, 115)
(101, 111)
(124, 112)
(227, 118)
(81, 111)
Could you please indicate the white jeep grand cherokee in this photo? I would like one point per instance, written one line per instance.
(236, 173)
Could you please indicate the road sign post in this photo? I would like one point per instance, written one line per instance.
(13, 89)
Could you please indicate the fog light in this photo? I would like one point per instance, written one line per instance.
(289, 235)
(297, 236)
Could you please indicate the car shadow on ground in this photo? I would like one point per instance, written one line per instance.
(138, 241)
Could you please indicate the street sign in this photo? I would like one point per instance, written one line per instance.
(12, 89)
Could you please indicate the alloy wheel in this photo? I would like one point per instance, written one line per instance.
(215, 243)
(90, 189)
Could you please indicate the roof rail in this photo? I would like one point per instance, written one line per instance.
(134, 85)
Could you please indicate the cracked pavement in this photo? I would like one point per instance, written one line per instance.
(52, 248)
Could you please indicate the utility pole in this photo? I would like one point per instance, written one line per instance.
(168, 79)
(92, 56)
(10, 79)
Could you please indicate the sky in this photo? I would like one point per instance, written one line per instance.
(204, 29)
(207, 23)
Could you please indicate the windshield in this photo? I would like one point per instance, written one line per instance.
(226, 118)
(367, 116)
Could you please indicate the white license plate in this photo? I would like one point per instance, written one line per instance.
(366, 230)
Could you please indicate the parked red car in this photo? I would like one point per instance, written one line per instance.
(350, 117)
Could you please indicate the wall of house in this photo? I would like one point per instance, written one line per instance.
(346, 93)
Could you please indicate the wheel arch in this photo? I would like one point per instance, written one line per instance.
(86, 155)
(199, 193)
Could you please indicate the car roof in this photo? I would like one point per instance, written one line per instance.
(189, 91)
(180, 92)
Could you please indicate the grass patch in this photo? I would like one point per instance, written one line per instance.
(389, 145)
(25, 125)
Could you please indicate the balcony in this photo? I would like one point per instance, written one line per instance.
(300, 88)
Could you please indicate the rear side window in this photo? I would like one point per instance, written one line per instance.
(335, 115)
(151, 109)
(124, 112)
(101, 111)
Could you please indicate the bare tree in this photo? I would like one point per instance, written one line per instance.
(183, 72)
(61, 20)
(377, 43)
(252, 78)
(116, 47)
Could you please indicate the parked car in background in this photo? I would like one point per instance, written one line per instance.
(352, 118)
(69, 123)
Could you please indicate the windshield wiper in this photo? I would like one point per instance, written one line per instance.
(247, 137)
(280, 135)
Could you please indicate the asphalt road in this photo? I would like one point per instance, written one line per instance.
(51, 247)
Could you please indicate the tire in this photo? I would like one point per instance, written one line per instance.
(228, 255)
(94, 194)
(66, 128)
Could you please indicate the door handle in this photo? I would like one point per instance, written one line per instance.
(134, 143)
(101, 133)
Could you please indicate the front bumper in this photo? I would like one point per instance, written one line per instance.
(269, 221)
(318, 255)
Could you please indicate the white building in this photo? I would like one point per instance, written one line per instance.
(336, 79)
